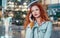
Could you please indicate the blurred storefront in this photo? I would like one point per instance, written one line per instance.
(53, 7)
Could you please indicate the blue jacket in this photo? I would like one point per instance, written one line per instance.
(43, 31)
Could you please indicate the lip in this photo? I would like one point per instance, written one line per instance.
(36, 14)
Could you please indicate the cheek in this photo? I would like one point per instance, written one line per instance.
(38, 12)
(38, 15)
(35, 13)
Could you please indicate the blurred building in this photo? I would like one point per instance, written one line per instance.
(17, 5)
(53, 7)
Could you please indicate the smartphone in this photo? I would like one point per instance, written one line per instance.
(32, 17)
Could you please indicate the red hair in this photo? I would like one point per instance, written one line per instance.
(43, 15)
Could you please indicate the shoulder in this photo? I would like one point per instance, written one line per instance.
(49, 22)
(28, 26)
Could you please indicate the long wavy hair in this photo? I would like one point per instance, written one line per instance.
(43, 15)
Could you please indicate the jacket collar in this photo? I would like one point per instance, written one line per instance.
(35, 22)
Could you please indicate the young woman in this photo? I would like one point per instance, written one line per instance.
(37, 23)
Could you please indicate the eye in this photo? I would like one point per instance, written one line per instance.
(37, 9)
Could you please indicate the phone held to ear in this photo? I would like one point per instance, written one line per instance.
(32, 17)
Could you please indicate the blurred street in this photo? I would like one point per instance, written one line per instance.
(19, 32)
(14, 32)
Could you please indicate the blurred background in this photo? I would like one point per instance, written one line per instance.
(17, 10)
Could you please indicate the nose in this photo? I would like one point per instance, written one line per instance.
(34, 11)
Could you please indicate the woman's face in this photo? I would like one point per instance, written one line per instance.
(35, 11)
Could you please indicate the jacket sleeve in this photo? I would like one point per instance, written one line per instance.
(28, 33)
(49, 30)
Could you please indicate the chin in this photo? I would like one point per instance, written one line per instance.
(36, 16)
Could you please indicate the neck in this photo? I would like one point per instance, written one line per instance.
(38, 19)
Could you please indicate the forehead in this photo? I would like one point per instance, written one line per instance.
(34, 7)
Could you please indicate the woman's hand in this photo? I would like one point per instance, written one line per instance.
(31, 20)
